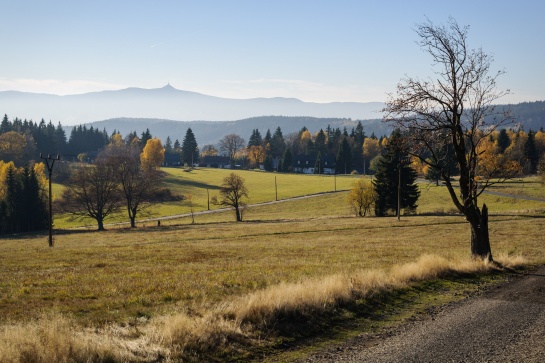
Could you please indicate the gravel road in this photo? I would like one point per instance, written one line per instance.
(504, 324)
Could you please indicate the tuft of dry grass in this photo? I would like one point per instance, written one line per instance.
(320, 294)
(258, 310)
(53, 338)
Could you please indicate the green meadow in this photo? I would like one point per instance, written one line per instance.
(203, 185)
(299, 271)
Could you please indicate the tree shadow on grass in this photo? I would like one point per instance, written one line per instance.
(191, 183)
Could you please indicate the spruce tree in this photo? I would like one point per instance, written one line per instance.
(34, 215)
(146, 135)
(168, 145)
(268, 164)
(268, 137)
(320, 143)
(190, 151)
(503, 140)
(359, 135)
(177, 147)
(5, 126)
(14, 195)
(344, 158)
(530, 154)
(388, 176)
(278, 145)
(255, 138)
(287, 159)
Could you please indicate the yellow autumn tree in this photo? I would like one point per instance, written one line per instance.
(370, 149)
(516, 149)
(540, 143)
(256, 155)
(12, 146)
(418, 166)
(305, 142)
(492, 164)
(39, 171)
(361, 197)
(305, 137)
(117, 140)
(153, 154)
(3, 173)
(208, 150)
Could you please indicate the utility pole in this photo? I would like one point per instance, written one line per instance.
(401, 163)
(399, 193)
(50, 169)
(275, 188)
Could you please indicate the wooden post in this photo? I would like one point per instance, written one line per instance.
(50, 169)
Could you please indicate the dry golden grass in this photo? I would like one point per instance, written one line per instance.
(54, 338)
(174, 291)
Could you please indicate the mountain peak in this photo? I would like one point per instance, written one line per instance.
(168, 87)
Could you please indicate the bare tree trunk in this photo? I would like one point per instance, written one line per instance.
(237, 212)
(480, 240)
(100, 224)
(132, 215)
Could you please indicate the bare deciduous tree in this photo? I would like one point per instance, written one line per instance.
(137, 182)
(230, 145)
(455, 109)
(232, 192)
(93, 191)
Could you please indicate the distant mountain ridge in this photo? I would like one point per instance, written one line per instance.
(168, 111)
(528, 116)
(169, 103)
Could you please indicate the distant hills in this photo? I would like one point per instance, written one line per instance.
(528, 115)
(169, 103)
(210, 132)
(168, 111)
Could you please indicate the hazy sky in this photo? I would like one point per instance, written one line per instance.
(320, 51)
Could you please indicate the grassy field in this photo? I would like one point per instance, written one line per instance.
(204, 183)
(183, 288)
(123, 273)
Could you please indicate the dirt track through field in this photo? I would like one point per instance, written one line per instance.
(505, 324)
